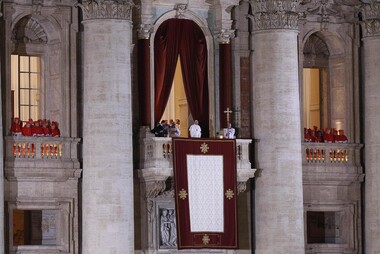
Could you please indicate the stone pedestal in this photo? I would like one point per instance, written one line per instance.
(107, 136)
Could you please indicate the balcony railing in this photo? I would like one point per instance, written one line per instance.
(333, 154)
(27, 157)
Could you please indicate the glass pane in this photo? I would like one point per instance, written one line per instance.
(24, 63)
(24, 113)
(34, 112)
(35, 80)
(35, 64)
(24, 96)
(35, 97)
(24, 80)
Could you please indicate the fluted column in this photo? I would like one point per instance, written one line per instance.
(107, 136)
(371, 60)
(143, 72)
(279, 225)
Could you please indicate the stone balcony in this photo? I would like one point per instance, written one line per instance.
(156, 164)
(41, 158)
(333, 163)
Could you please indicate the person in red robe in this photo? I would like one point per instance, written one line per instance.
(55, 132)
(37, 129)
(328, 137)
(341, 138)
(307, 137)
(27, 129)
(16, 127)
(46, 128)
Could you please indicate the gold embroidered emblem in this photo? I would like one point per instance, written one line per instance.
(229, 194)
(204, 148)
(182, 194)
(206, 239)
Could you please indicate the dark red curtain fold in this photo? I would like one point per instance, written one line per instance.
(193, 52)
(182, 37)
(143, 70)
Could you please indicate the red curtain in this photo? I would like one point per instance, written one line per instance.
(182, 37)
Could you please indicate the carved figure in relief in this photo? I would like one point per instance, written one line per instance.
(168, 230)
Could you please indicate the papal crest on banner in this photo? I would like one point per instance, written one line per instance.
(205, 193)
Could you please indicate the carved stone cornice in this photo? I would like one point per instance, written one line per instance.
(371, 19)
(274, 14)
(224, 36)
(107, 9)
(144, 31)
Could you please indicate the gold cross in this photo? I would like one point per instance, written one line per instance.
(228, 112)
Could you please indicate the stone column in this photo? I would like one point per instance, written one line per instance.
(2, 152)
(143, 72)
(371, 60)
(225, 79)
(108, 225)
(279, 224)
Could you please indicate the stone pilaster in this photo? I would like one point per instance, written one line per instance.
(279, 224)
(371, 59)
(1, 164)
(108, 225)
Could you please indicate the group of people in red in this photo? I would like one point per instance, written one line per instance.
(39, 128)
(329, 135)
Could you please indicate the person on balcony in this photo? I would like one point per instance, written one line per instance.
(195, 130)
(229, 132)
(27, 129)
(341, 138)
(174, 131)
(328, 137)
(307, 137)
(55, 132)
(37, 130)
(46, 128)
(159, 130)
(16, 127)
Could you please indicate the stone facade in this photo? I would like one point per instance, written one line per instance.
(300, 192)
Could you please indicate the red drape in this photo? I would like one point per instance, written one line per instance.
(225, 87)
(143, 73)
(182, 37)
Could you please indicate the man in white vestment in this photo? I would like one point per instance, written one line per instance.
(229, 132)
(195, 130)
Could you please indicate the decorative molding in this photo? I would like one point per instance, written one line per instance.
(224, 36)
(315, 51)
(241, 187)
(144, 31)
(371, 19)
(29, 30)
(154, 188)
(180, 10)
(107, 9)
(274, 14)
(37, 5)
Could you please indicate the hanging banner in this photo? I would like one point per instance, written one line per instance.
(205, 193)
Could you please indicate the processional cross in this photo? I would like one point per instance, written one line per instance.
(228, 112)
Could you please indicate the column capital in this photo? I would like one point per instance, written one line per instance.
(107, 9)
(371, 19)
(274, 14)
(224, 36)
(144, 31)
